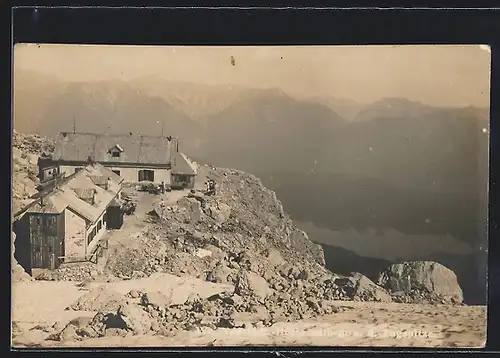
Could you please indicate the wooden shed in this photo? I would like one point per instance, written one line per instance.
(114, 215)
(40, 239)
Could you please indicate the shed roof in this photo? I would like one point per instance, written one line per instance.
(74, 189)
(49, 205)
(181, 165)
(97, 170)
(140, 149)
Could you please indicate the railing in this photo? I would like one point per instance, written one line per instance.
(93, 257)
(99, 250)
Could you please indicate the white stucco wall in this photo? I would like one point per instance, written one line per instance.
(68, 170)
(74, 244)
(129, 175)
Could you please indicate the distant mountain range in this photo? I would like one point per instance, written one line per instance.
(394, 163)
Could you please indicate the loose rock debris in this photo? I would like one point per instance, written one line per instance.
(242, 237)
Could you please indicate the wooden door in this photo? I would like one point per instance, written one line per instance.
(36, 251)
(36, 235)
(50, 253)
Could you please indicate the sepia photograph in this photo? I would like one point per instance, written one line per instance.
(249, 196)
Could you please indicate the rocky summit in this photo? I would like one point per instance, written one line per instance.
(240, 238)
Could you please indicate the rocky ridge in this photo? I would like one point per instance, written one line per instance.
(241, 237)
(26, 149)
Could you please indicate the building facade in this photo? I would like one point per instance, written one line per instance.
(66, 222)
(135, 158)
(183, 173)
(40, 238)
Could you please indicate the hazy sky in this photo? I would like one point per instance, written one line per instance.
(439, 75)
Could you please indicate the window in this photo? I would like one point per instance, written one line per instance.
(115, 154)
(146, 175)
(117, 172)
(77, 169)
(99, 226)
(51, 221)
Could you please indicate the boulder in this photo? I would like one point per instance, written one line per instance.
(191, 208)
(220, 274)
(361, 288)
(156, 299)
(367, 290)
(135, 319)
(220, 212)
(216, 252)
(101, 298)
(251, 284)
(274, 257)
(422, 276)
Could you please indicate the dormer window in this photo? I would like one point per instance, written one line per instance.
(116, 151)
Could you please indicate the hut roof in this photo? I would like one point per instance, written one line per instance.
(140, 149)
(181, 165)
(72, 192)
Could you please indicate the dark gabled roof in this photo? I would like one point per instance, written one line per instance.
(181, 165)
(50, 206)
(139, 149)
(71, 192)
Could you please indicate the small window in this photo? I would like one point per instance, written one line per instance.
(51, 221)
(115, 154)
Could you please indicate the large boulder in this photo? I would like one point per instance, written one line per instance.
(101, 298)
(425, 277)
(156, 299)
(190, 208)
(274, 257)
(134, 319)
(251, 284)
(220, 212)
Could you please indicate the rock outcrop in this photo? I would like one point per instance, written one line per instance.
(26, 149)
(421, 281)
(17, 271)
(360, 288)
